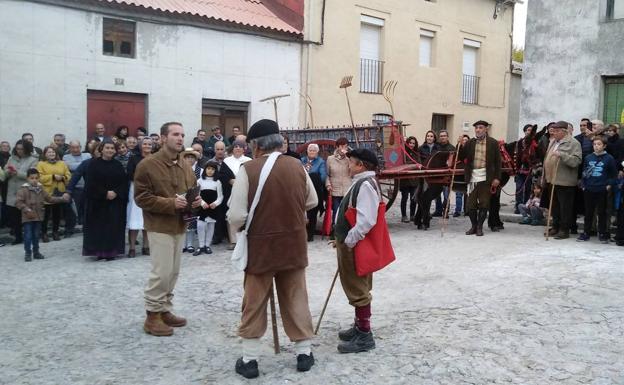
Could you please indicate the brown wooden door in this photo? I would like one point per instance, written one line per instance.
(114, 109)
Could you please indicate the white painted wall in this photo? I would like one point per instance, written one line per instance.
(50, 56)
(569, 48)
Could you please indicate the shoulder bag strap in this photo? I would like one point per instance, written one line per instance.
(264, 174)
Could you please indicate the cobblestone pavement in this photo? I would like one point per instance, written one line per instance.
(505, 308)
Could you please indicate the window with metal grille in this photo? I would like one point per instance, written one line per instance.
(371, 65)
(470, 80)
(119, 38)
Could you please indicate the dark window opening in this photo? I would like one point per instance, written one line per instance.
(119, 38)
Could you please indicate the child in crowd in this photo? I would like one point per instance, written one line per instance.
(531, 212)
(599, 174)
(30, 199)
(190, 157)
(212, 196)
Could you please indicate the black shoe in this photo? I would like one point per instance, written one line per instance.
(494, 229)
(347, 334)
(184, 250)
(199, 251)
(419, 227)
(304, 362)
(38, 255)
(207, 250)
(562, 235)
(361, 342)
(247, 370)
(190, 249)
(455, 215)
(28, 257)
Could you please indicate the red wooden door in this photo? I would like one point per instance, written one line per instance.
(114, 109)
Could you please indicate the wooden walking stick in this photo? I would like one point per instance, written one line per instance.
(448, 200)
(552, 194)
(331, 288)
(274, 98)
(276, 346)
(344, 84)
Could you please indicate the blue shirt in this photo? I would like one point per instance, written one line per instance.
(318, 166)
(598, 172)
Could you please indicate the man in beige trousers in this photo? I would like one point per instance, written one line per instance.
(277, 247)
(160, 182)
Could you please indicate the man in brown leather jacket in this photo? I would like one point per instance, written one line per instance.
(160, 182)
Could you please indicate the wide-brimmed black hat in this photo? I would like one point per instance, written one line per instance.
(365, 155)
(262, 128)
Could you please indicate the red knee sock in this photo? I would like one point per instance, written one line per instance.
(362, 317)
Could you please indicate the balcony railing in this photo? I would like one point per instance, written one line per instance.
(371, 76)
(470, 89)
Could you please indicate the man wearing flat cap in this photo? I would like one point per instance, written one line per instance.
(561, 164)
(482, 158)
(277, 246)
(366, 194)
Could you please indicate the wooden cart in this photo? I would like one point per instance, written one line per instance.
(387, 141)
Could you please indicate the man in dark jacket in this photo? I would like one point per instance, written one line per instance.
(482, 158)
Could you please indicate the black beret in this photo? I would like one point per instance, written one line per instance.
(481, 123)
(262, 128)
(365, 155)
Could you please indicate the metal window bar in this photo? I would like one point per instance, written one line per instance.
(470, 89)
(371, 76)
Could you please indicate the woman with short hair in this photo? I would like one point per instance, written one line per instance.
(338, 178)
(54, 176)
(106, 189)
(14, 173)
(317, 170)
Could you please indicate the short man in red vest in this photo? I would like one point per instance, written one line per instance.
(277, 246)
(362, 166)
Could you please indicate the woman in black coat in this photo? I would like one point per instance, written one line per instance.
(106, 190)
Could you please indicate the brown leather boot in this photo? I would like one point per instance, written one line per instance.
(172, 320)
(155, 326)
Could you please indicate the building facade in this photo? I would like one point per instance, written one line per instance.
(66, 65)
(451, 60)
(572, 63)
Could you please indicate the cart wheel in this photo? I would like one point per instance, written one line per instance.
(389, 191)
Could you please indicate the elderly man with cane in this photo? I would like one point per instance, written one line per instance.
(561, 164)
(275, 206)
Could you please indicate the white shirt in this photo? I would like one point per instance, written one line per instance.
(367, 207)
(234, 163)
(239, 204)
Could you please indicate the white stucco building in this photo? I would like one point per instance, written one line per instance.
(66, 65)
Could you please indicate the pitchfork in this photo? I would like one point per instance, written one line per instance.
(346, 83)
(388, 93)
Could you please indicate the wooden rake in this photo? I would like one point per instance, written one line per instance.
(274, 98)
(388, 93)
(347, 81)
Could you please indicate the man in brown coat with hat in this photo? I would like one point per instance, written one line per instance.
(561, 164)
(482, 158)
(277, 247)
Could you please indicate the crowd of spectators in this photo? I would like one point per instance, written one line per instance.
(92, 186)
